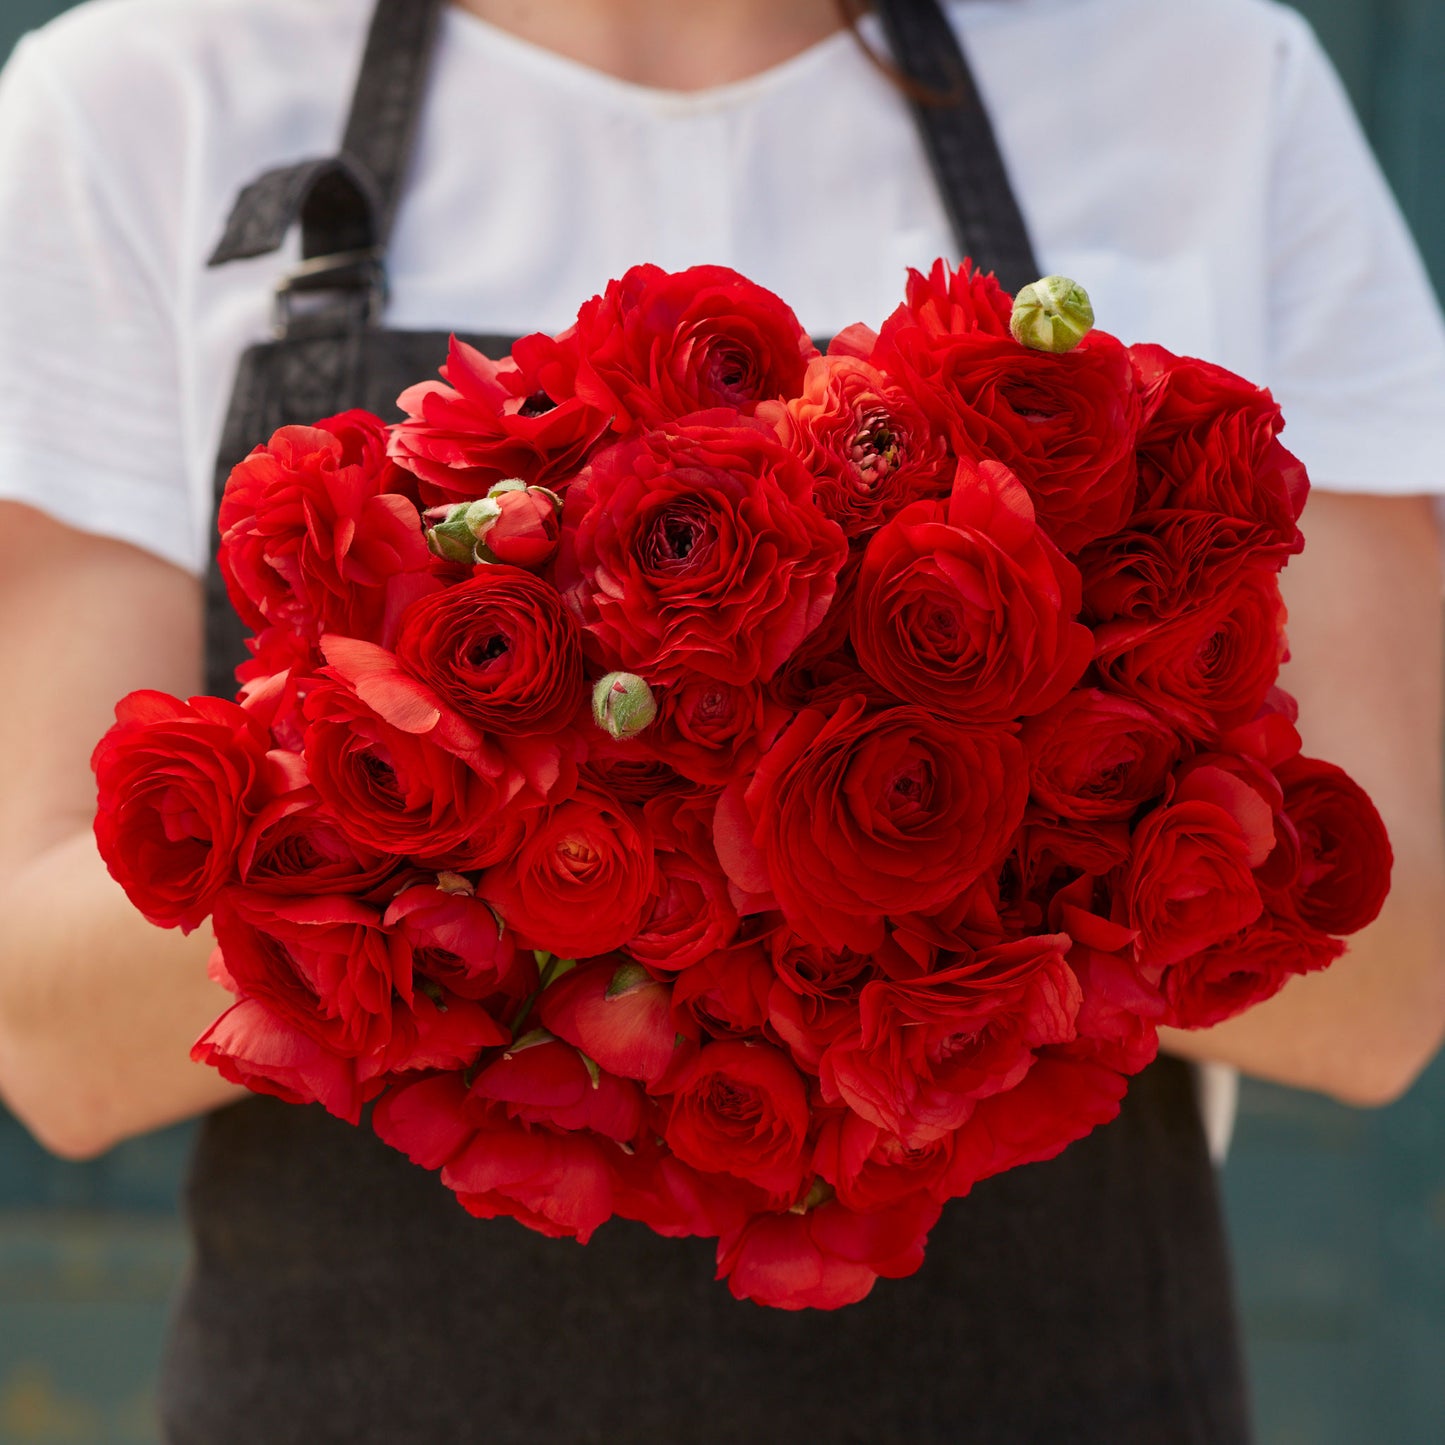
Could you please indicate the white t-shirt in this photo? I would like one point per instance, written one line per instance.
(1194, 163)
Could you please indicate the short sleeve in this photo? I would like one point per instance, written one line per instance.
(1357, 344)
(91, 424)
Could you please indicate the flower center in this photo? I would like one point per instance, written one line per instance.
(875, 448)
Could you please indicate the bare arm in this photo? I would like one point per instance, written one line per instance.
(1365, 631)
(98, 1009)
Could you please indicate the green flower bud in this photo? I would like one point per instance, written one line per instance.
(623, 705)
(1052, 315)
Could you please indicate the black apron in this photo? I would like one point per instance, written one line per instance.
(339, 1293)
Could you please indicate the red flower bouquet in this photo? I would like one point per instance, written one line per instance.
(683, 776)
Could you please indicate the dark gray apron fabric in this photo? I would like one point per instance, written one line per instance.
(339, 1293)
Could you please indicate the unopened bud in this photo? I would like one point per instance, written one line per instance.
(1052, 315)
(623, 705)
(457, 529)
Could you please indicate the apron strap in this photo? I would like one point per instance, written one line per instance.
(345, 204)
(959, 140)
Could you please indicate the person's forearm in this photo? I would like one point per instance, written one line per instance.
(98, 1008)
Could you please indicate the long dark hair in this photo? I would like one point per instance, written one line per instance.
(850, 12)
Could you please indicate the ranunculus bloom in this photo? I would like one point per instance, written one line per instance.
(486, 421)
(656, 345)
(457, 942)
(696, 548)
(314, 536)
(558, 1184)
(865, 441)
(1065, 424)
(742, 1109)
(501, 649)
(871, 1168)
(525, 768)
(547, 1083)
(293, 847)
(827, 1257)
(1345, 854)
(394, 792)
(928, 1049)
(1190, 882)
(619, 1015)
(966, 608)
(1094, 755)
(528, 530)
(325, 965)
(1058, 1101)
(1166, 563)
(692, 913)
(583, 880)
(179, 785)
(710, 730)
(1244, 969)
(1208, 669)
(857, 816)
(813, 998)
(726, 993)
(1209, 442)
(256, 1047)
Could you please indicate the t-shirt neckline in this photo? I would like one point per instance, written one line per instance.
(578, 76)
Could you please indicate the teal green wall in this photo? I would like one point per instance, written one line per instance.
(1338, 1216)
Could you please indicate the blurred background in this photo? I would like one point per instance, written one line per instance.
(1338, 1216)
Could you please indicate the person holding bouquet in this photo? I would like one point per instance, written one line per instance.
(1197, 167)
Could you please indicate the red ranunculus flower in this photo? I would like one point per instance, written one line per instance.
(256, 1047)
(928, 1049)
(726, 993)
(582, 882)
(871, 1168)
(294, 847)
(1189, 883)
(1209, 442)
(865, 441)
(545, 1082)
(1244, 969)
(692, 913)
(179, 785)
(1208, 669)
(557, 1184)
(1060, 1099)
(487, 421)
(1065, 424)
(458, 943)
(500, 649)
(711, 731)
(620, 1016)
(742, 1109)
(394, 792)
(853, 817)
(323, 964)
(1345, 854)
(696, 548)
(826, 1257)
(314, 535)
(1166, 563)
(1093, 755)
(967, 608)
(813, 999)
(658, 345)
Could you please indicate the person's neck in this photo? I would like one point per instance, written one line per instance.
(667, 44)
